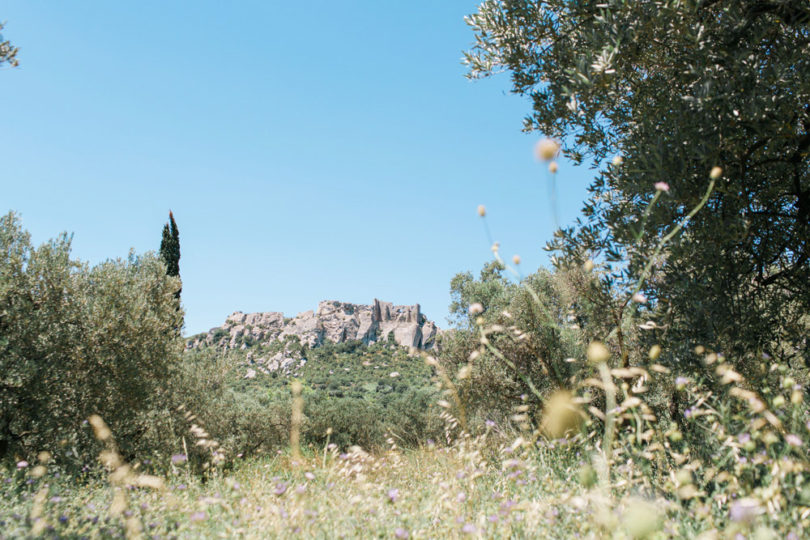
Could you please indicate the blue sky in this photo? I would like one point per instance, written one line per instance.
(309, 151)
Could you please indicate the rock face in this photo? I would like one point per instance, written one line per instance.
(336, 322)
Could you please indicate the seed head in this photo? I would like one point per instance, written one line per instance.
(716, 173)
(482, 210)
(560, 415)
(476, 309)
(598, 353)
(553, 167)
(516, 259)
(546, 149)
(662, 186)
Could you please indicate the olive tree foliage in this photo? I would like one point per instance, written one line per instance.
(77, 340)
(530, 333)
(8, 52)
(677, 87)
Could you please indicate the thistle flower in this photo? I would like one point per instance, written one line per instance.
(662, 186)
(476, 309)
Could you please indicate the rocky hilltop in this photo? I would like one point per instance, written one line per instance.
(334, 321)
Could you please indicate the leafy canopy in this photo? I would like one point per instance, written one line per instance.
(676, 87)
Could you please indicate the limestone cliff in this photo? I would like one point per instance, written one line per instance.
(336, 322)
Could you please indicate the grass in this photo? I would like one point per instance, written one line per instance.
(471, 488)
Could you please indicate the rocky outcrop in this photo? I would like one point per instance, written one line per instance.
(334, 322)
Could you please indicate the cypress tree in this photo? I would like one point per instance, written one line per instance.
(170, 248)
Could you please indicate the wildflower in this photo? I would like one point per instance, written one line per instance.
(309, 476)
(197, 516)
(662, 186)
(394, 374)
(178, 459)
(476, 309)
(680, 382)
(793, 440)
(715, 173)
(393, 495)
(745, 510)
(489, 424)
(639, 298)
(553, 167)
(546, 149)
(468, 528)
(22, 464)
(482, 210)
(516, 259)
(280, 489)
(401, 533)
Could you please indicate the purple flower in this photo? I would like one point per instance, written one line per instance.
(662, 186)
(22, 464)
(793, 440)
(743, 437)
(468, 528)
(177, 459)
(198, 516)
(401, 533)
(281, 488)
(393, 494)
(489, 423)
(181, 487)
(744, 510)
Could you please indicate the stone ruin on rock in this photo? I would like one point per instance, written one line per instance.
(334, 321)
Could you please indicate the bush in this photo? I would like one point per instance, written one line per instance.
(76, 341)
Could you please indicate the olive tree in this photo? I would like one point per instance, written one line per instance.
(77, 340)
(675, 88)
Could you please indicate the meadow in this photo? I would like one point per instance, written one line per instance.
(650, 383)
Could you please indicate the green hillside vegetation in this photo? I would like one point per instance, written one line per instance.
(653, 383)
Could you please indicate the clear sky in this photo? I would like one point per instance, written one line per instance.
(309, 150)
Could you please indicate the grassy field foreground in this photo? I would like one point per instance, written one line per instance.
(474, 487)
(431, 492)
